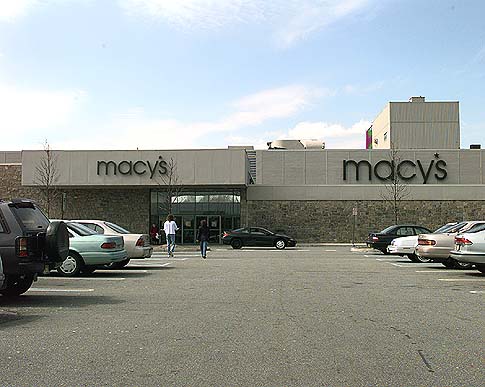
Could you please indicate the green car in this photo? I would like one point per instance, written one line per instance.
(89, 250)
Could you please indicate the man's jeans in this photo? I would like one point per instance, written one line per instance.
(170, 243)
(203, 248)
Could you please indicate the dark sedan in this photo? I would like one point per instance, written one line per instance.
(380, 240)
(256, 236)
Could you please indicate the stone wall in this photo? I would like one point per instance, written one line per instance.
(128, 207)
(331, 221)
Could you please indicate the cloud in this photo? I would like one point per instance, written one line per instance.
(32, 112)
(334, 135)
(290, 20)
(195, 14)
(10, 10)
(308, 17)
(133, 129)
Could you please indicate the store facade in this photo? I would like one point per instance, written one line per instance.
(311, 195)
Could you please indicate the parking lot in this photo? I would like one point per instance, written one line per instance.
(308, 316)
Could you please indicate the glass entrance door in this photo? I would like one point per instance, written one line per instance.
(214, 224)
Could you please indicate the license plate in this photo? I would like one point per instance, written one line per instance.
(457, 247)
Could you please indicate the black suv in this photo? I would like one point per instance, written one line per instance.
(29, 245)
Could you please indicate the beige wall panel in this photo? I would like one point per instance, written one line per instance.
(407, 112)
(431, 192)
(202, 166)
(335, 165)
(315, 162)
(294, 168)
(213, 167)
(273, 167)
(470, 167)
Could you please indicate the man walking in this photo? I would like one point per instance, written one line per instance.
(170, 228)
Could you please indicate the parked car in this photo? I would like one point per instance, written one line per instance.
(438, 247)
(137, 245)
(407, 245)
(256, 236)
(470, 248)
(89, 250)
(29, 245)
(380, 240)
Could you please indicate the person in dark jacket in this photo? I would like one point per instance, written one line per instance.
(203, 238)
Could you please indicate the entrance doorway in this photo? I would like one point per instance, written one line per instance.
(190, 226)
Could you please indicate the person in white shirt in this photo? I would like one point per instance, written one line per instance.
(170, 228)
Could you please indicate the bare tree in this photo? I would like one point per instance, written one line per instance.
(396, 188)
(169, 179)
(47, 176)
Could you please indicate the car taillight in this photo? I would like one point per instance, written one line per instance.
(23, 250)
(426, 242)
(374, 238)
(140, 242)
(225, 234)
(463, 241)
(108, 245)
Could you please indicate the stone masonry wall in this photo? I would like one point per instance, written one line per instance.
(129, 208)
(307, 221)
(331, 221)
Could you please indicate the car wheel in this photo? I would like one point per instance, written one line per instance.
(416, 258)
(72, 265)
(236, 244)
(119, 265)
(280, 244)
(480, 267)
(461, 265)
(17, 285)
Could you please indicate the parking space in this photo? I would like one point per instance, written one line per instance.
(250, 317)
(471, 281)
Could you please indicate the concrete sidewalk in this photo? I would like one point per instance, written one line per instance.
(195, 247)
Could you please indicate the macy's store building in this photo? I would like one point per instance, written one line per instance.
(313, 195)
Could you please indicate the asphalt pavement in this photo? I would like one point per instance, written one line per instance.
(309, 316)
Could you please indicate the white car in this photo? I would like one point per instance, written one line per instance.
(407, 245)
(470, 248)
(136, 245)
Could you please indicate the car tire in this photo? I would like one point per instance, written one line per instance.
(57, 241)
(17, 285)
(451, 263)
(416, 258)
(280, 244)
(461, 265)
(119, 265)
(236, 244)
(72, 265)
(480, 267)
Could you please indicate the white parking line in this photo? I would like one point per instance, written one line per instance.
(446, 271)
(122, 271)
(83, 278)
(462, 279)
(58, 290)
(328, 250)
(388, 259)
(477, 291)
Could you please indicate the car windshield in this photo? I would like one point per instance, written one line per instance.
(444, 228)
(31, 217)
(80, 229)
(116, 228)
(457, 227)
(388, 230)
(243, 230)
(476, 228)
